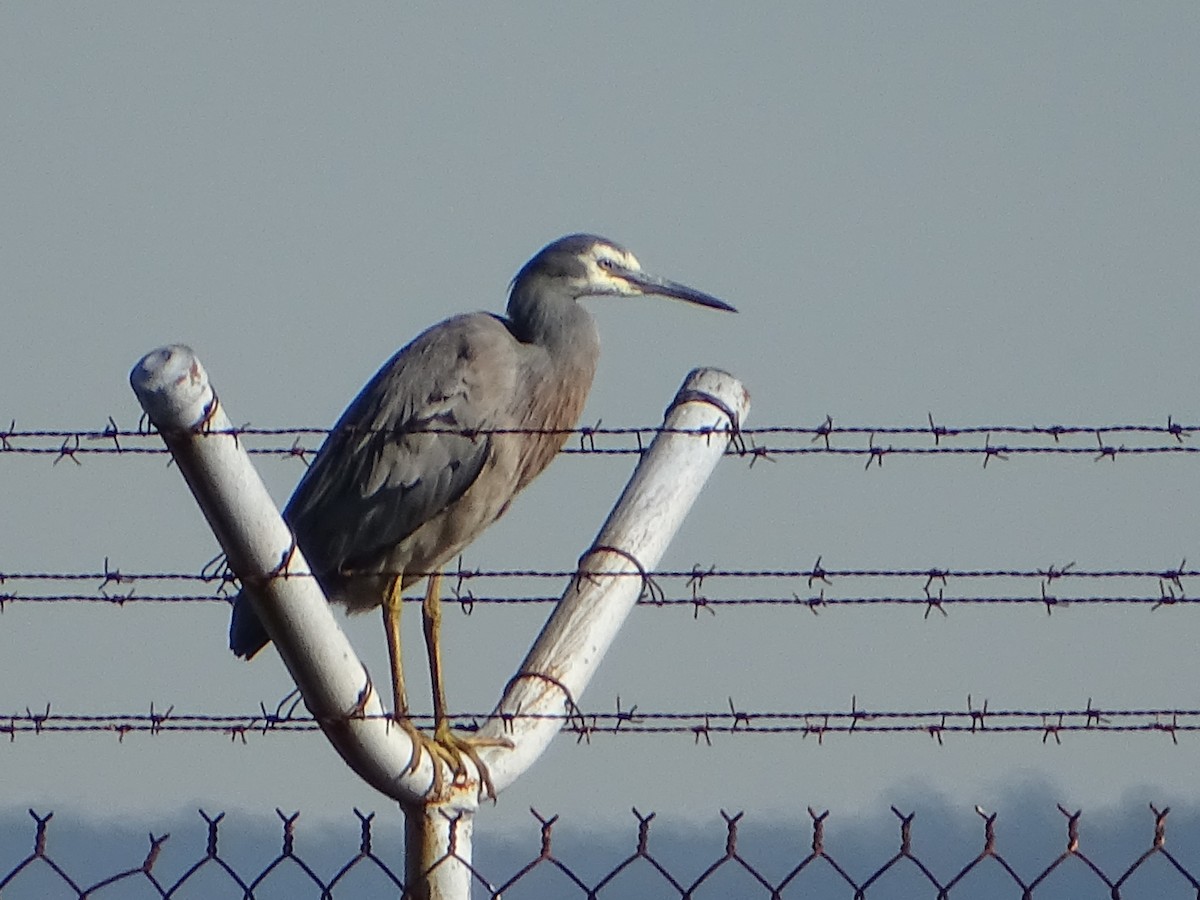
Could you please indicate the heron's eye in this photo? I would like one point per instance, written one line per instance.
(606, 263)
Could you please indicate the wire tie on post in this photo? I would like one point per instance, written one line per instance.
(657, 596)
(694, 396)
(204, 426)
(572, 708)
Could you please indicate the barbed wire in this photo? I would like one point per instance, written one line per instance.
(628, 720)
(1094, 441)
(642, 871)
(814, 604)
(115, 588)
(698, 574)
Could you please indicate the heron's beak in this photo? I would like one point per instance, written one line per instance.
(652, 284)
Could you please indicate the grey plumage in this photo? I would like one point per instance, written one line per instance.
(414, 469)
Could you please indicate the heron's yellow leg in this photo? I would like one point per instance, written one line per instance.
(393, 603)
(431, 619)
(441, 756)
(453, 746)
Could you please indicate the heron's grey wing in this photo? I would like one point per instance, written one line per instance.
(406, 448)
(376, 479)
(383, 471)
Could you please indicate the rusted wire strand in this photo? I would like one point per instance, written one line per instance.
(699, 574)
(810, 589)
(1049, 724)
(1094, 441)
(814, 604)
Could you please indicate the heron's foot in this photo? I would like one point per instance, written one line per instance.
(448, 748)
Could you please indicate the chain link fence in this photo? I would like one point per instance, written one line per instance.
(655, 866)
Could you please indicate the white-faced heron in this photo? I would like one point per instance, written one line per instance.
(435, 447)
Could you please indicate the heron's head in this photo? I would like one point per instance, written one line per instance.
(583, 265)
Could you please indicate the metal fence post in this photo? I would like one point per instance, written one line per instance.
(173, 389)
(613, 571)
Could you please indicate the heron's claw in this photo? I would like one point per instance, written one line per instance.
(456, 746)
(447, 750)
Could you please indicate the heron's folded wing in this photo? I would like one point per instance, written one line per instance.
(412, 442)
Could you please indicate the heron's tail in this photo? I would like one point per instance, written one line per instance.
(246, 632)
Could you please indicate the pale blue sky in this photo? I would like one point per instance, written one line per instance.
(990, 212)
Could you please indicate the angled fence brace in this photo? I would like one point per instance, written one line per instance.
(174, 391)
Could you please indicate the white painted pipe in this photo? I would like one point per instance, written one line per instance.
(173, 389)
(583, 625)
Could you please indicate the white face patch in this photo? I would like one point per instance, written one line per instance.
(604, 265)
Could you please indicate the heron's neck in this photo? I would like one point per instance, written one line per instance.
(558, 373)
(554, 321)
